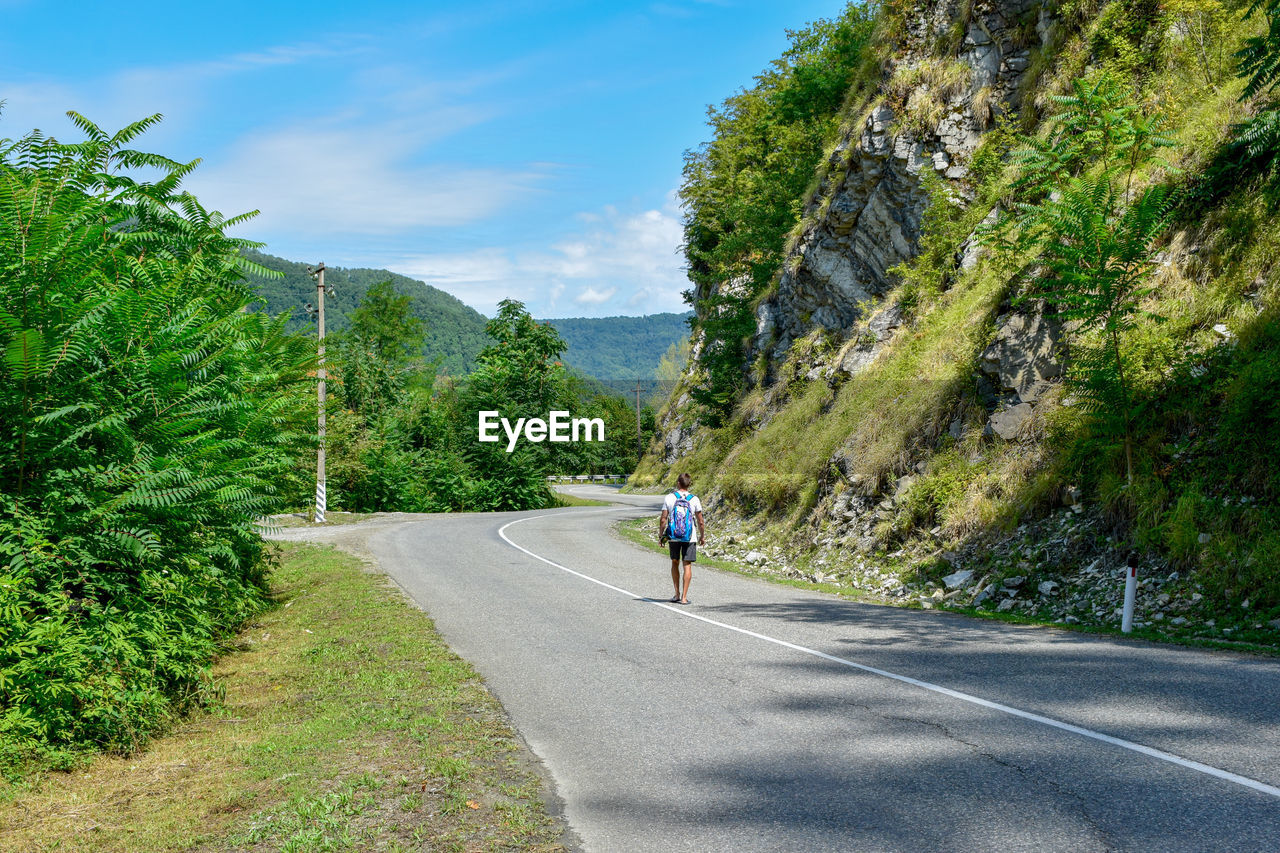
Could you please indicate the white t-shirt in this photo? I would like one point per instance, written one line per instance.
(670, 502)
(695, 505)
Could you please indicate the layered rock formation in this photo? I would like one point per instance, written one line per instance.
(840, 267)
(838, 277)
(872, 224)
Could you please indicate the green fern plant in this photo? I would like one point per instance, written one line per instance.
(1253, 152)
(148, 419)
(1097, 257)
(1085, 241)
(1259, 59)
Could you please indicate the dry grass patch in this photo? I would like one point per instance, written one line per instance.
(347, 724)
(920, 92)
(876, 419)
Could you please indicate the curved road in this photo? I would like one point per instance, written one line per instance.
(763, 717)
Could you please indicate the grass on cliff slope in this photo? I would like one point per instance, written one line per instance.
(872, 419)
(346, 724)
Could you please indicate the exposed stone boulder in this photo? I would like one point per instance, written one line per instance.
(1008, 423)
(866, 343)
(984, 594)
(677, 433)
(883, 323)
(972, 250)
(1024, 358)
(959, 580)
(1018, 369)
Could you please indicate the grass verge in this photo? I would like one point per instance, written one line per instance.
(346, 723)
(565, 499)
(641, 532)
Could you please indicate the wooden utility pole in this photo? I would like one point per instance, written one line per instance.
(639, 444)
(321, 500)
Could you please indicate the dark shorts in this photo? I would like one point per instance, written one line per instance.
(686, 551)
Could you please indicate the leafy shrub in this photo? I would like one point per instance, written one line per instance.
(147, 422)
(1252, 155)
(929, 496)
(1124, 34)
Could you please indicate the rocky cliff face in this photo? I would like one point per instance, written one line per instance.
(841, 264)
(963, 63)
(839, 270)
(906, 430)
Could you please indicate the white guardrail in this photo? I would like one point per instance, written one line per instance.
(586, 478)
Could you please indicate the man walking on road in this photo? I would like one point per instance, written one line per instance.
(680, 511)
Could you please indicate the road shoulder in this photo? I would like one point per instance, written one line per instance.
(345, 722)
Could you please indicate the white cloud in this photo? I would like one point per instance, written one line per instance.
(337, 180)
(358, 169)
(480, 278)
(620, 263)
(591, 296)
(36, 104)
(177, 91)
(449, 270)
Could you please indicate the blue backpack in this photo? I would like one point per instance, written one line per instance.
(680, 524)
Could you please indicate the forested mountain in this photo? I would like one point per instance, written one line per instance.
(620, 347)
(605, 348)
(452, 331)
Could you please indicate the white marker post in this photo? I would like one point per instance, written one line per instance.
(318, 309)
(1130, 593)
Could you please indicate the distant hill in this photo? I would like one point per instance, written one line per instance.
(453, 330)
(613, 348)
(605, 348)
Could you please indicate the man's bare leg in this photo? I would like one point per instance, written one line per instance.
(688, 577)
(675, 578)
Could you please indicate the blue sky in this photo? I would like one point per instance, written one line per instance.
(499, 149)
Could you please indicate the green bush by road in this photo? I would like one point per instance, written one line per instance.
(147, 422)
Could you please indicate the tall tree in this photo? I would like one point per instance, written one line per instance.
(519, 376)
(375, 353)
(385, 321)
(521, 371)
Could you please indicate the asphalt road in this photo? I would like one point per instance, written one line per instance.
(762, 717)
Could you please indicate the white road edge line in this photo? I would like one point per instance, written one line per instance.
(906, 679)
